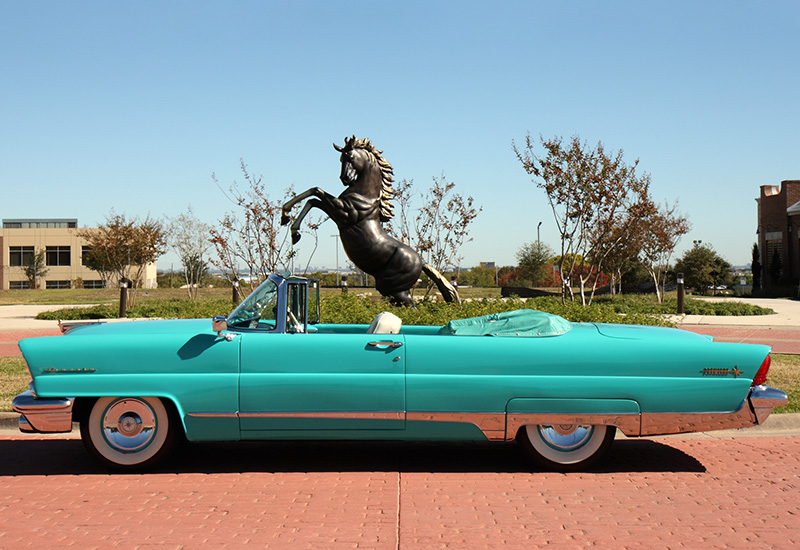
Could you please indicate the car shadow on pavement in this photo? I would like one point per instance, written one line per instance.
(21, 457)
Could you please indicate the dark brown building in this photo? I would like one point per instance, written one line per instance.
(779, 233)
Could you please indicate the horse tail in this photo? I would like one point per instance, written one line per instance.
(447, 290)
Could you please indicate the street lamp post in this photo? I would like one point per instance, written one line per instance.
(337, 259)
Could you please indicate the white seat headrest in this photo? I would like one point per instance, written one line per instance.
(385, 322)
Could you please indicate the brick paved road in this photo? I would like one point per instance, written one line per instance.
(671, 493)
(9, 339)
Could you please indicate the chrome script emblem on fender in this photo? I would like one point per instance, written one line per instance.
(722, 372)
(68, 371)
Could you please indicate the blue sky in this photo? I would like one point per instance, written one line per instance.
(133, 105)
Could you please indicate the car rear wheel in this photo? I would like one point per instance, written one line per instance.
(129, 433)
(566, 447)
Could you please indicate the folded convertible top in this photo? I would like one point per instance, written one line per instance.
(520, 322)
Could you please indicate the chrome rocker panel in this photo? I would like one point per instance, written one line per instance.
(54, 415)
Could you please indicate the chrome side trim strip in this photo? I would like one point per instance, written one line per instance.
(330, 415)
(212, 415)
(501, 427)
(44, 415)
(338, 415)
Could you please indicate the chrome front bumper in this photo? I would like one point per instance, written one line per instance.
(43, 414)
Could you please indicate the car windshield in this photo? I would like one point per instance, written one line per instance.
(258, 309)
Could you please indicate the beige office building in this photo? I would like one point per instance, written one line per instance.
(22, 239)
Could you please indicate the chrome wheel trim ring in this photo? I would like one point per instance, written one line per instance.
(129, 425)
(565, 438)
(566, 444)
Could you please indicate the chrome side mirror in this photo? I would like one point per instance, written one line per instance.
(219, 323)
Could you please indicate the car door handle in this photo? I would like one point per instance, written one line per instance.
(385, 344)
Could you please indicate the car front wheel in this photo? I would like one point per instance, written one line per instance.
(129, 433)
(566, 448)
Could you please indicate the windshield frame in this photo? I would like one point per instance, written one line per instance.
(252, 307)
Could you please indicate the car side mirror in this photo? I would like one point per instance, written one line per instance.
(219, 323)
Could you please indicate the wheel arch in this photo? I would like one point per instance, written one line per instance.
(82, 408)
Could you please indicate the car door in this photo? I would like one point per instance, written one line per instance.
(321, 381)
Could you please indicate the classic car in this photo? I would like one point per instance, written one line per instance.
(269, 370)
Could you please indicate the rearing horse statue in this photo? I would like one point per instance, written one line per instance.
(359, 212)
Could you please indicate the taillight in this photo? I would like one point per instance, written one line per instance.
(761, 375)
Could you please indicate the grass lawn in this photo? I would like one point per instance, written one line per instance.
(96, 296)
(784, 374)
(14, 379)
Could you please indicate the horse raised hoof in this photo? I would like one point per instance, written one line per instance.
(295, 237)
(285, 218)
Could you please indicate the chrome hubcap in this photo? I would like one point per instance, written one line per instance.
(566, 437)
(129, 425)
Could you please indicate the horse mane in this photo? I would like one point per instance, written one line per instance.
(387, 174)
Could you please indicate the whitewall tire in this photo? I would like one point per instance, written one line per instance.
(129, 433)
(566, 448)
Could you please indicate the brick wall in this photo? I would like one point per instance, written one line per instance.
(777, 232)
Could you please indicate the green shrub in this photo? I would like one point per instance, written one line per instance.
(353, 308)
(348, 308)
(630, 303)
(171, 308)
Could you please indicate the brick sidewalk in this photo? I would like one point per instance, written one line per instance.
(10, 338)
(665, 493)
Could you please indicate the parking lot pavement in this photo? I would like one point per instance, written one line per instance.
(726, 493)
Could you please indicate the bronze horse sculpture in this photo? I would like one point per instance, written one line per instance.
(359, 212)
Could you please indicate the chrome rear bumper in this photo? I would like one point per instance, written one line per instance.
(43, 415)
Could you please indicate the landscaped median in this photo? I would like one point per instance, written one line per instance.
(352, 307)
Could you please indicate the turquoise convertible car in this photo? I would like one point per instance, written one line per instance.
(268, 371)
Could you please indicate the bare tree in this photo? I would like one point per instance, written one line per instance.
(251, 237)
(595, 198)
(439, 228)
(191, 240)
(660, 231)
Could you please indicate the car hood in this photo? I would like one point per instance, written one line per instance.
(142, 327)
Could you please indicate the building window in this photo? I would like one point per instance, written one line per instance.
(40, 224)
(94, 284)
(58, 255)
(19, 285)
(19, 256)
(57, 284)
(85, 251)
